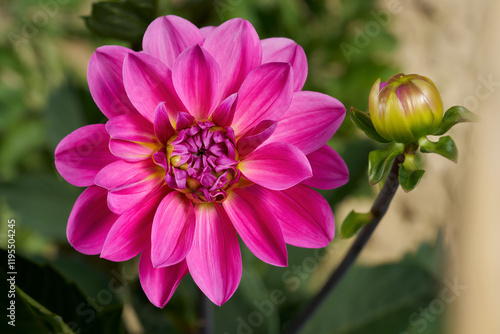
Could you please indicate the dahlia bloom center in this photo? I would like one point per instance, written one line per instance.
(201, 161)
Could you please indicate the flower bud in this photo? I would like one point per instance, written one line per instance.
(405, 108)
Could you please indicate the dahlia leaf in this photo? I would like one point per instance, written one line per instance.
(47, 302)
(51, 319)
(387, 296)
(353, 223)
(32, 199)
(409, 174)
(63, 113)
(452, 117)
(445, 146)
(126, 20)
(380, 160)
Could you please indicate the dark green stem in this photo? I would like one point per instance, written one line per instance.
(378, 210)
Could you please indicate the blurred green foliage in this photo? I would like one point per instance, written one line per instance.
(44, 49)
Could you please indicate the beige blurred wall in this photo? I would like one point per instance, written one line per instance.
(457, 44)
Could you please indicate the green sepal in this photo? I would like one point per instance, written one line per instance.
(353, 223)
(363, 122)
(445, 147)
(380, 160)
(452, 117)
(409, 175)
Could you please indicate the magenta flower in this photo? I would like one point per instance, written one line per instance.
(209, 137)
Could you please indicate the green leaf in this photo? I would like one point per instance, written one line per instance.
(32, 198)
(18, 143)
(354, 222)
(53, 320)
(452, 117)
(251, 297)
(26, 319)
(58, 305)
(63, 113)
(409, 174)
(429, 256)
(445, 147)
(380, 160)
(155, 320)
(363, 121)
(375, 300)
(126, 20)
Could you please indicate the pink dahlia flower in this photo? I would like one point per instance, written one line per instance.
(209, 137)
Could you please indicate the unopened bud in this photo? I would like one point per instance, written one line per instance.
(405, 108)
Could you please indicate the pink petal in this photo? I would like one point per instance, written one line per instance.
(206, 31)
(163, 125)
(276, 166)
(148, 82)
(235, 46)
(255, 137)
(173, 228)
(310, 122)
(129, 182)
(329, 169)
(105, 79)
(257, 226)
(82, 154)
(224, 113)
(305, 217)
(215, 260)
(167, 36)
(132, 231)
(285, 50)
(196, 77)
(90, 221)
(183, 121)
(132, 137)
(159, 284)
(266, 93)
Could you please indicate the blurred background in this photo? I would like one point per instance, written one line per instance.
(433, 264)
